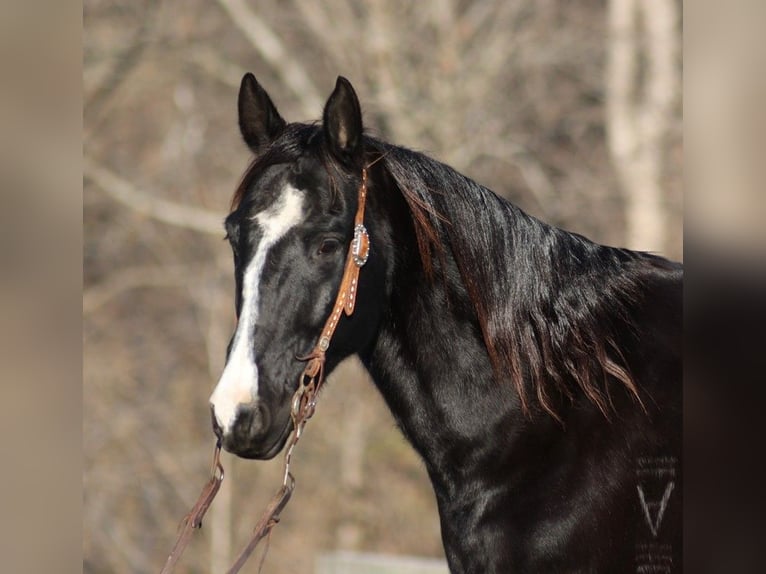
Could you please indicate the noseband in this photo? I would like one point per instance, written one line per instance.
(302, 406)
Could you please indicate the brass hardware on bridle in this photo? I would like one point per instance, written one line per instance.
(302, 405)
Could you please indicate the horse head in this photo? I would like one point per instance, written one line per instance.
(291, 223)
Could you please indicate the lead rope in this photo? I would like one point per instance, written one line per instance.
(302, 408)
(194, 518)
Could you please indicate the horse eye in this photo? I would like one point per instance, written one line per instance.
(329, 245)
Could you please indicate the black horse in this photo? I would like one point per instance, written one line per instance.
(537, 373)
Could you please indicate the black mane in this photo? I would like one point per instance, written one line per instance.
(552, 305)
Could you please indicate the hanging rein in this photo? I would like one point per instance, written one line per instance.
(302, 405)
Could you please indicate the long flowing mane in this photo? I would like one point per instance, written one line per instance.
(550, 303)
(553, 307)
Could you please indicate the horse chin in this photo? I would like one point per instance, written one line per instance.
(270, 450)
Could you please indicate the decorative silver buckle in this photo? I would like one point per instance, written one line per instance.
(360, 245)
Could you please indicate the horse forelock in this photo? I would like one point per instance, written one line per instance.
(297, 140)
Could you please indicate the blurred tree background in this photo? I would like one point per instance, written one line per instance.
(572, 110)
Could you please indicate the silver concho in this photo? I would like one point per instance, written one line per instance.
(360, 245)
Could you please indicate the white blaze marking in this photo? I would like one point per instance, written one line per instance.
(239, 381)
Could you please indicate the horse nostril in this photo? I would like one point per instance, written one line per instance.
(216, 427)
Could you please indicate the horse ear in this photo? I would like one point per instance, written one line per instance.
(259, 120)
(342, 120)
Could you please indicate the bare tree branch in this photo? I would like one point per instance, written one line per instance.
(383, 45)
(124, 62)
(492, 46)
(440, 85)
(640, 113)
(163, 210)
(214, 304)
(124, 280)
(211, 62)
(327, 22)
(132, 553)
(271, 49)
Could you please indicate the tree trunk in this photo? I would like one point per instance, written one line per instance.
(643, 85)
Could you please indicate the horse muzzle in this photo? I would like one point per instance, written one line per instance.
(253, 433)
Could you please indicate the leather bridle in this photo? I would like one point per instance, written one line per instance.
(302, 406)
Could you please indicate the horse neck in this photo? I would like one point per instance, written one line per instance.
(431, 365)
(493, 467)
(430, 360)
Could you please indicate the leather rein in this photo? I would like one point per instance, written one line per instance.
(302, 407)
